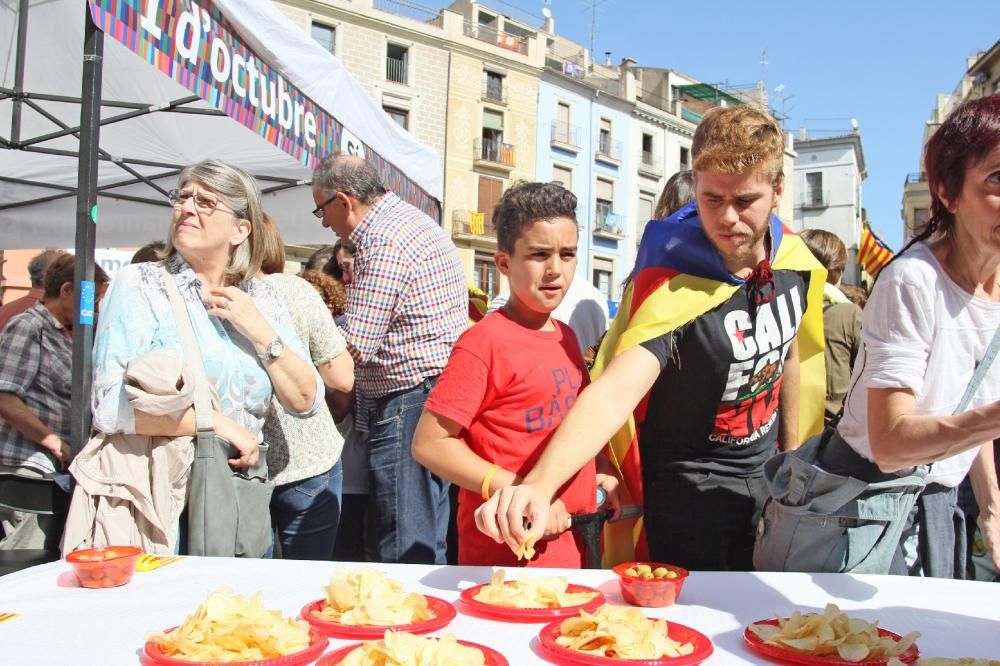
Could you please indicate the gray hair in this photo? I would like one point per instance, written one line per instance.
(238, 190)
(351, 175)
(39, 263)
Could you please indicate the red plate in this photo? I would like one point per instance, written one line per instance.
(505, 614)
(557, 654)
(493, 658)
(753, 641)
(442, 611)
(153, 656)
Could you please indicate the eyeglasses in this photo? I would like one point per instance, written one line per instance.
(318, 210)
(202, 204)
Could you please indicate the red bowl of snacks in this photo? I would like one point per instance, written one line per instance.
(107, 566)
(650, 584)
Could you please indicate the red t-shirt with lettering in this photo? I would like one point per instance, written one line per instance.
(510, 387)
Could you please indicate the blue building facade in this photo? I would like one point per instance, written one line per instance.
(582, 142)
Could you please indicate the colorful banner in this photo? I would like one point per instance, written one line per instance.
(197, 47)
(873, 254)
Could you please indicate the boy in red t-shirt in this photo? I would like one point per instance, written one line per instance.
(510, 381)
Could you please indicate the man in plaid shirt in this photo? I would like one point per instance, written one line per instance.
(36, 361)
(406, 308)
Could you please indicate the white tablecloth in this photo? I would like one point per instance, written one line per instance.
(61, 623)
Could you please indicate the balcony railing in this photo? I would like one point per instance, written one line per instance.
(494, 152)
(814, 199)
(504, 40)
(915, 178)
(565, 134)
(471, 223)
(495, 92)
(609, 150)
(395, 70)
(609, 223)
(649, 164)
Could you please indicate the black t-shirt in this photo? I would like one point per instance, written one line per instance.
(714, 407)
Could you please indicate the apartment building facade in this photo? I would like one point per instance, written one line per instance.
(828, 177)
(982, 78)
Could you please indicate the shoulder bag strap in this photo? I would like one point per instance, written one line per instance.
(980, 373)
(189, 344)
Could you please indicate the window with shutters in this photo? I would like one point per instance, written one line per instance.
(563, 176)
(604, 276)
(490, 190)
(646, 207)
(325, 36)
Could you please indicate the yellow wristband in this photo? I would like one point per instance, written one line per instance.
(488, 479)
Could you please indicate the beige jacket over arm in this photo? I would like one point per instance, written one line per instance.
(131, 489)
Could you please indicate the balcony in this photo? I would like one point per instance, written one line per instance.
(493, 155)
(649, 165)
(472, 226)
(395, 70)
(813, 199)
(494, 92)
(504, 40)
(608, 151)
(608, 224)
(565, 136)
(914, 178)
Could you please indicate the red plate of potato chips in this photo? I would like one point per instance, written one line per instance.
(830, 638)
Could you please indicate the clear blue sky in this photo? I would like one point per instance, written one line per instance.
(880, 61)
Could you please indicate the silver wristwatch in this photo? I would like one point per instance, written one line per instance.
(272, 351)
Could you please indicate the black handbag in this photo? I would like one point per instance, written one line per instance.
(228, 512)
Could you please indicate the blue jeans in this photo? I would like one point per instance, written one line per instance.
(306, 515)
(408, 506)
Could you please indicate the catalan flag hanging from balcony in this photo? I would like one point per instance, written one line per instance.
(873, 254)
(477, 223)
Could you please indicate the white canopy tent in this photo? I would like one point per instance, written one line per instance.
(93, 131)
(163, 127)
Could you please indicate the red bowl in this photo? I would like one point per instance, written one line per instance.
(442, 612)
(107, 566)
(650, 592)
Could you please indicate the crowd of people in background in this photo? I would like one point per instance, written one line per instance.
(401, 415)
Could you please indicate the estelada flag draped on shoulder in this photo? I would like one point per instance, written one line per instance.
(873, 254)
(679, 276)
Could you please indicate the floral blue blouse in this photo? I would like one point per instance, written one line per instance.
(136, 318)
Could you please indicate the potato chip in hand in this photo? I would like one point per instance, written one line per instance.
(402, 649)
(366, 597)
(230, 628)
(832, 633)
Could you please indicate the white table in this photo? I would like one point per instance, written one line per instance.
(60, 623)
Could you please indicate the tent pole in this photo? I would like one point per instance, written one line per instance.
(86, 230)
(22, 42)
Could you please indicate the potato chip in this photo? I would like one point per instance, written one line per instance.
(832, 633)
(620, 633)
(527, 550)
(366, 597)
(530, 592)
(228, 627)
(403, 649)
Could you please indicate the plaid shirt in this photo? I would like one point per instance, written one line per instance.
(36, 365)
(408, 302)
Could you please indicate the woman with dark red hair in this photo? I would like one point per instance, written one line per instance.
(918, 416)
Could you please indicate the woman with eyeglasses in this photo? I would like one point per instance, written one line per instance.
(214, 252)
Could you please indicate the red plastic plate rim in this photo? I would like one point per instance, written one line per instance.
(493, 658)
(753, 641)
(508, 614)
(557, 654)
(444, 612)
(152, 656)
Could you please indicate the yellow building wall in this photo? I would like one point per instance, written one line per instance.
(465, 113)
